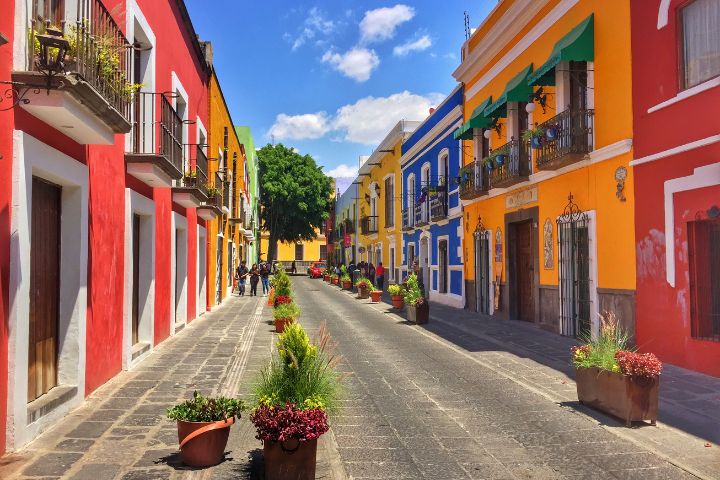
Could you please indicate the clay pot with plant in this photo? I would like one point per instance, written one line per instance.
(375, 295)
(285, 314)
(364, 287)
(418, 308)
(396, 295)
(203, 428)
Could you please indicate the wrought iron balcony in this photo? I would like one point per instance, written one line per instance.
(567, 138)
(155, 155)
(473, 181)
(193, 189)
(227, 197)
(439, 204)
(369, 225)
(408, 217)
(95, 72)
(512, 165)
(422, 214)
(213, 207)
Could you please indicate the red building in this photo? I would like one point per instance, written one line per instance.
(676, 89)
(102, 255)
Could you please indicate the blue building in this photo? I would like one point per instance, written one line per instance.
(432, 213)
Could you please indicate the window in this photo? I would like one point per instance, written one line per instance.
(299, 251)
(704, 259)
(389, 203)
(52, 11)
(699, 25)
(323, 252)
(411, 255)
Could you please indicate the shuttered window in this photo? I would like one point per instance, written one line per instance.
(704, 259)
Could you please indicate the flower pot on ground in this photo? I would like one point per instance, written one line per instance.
(284, 315)
(375, 296)
(203, 428)
(419, 312)
(294, 393)
(396, 295)
(418, 307)
(614, 380)
(364, 287)
(271, 297)
(347, 284)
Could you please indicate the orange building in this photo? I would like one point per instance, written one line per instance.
(547, 188)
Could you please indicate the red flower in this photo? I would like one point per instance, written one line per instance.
(282, 299)
(280, 424)
(638, 364)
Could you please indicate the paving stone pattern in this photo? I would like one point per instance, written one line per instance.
(443, 403)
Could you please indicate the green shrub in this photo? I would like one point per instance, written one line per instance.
(282, 284)
(364, 281)
(395, 289)
(600, 352)
(412, 290)
(286, 311)
(203, 409)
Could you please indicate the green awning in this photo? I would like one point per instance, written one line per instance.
(477, 120)
(516, 90)
(577, 46)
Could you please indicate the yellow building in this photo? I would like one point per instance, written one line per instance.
(548, 234)
(226, 167)
(380, 196)
(302, 253)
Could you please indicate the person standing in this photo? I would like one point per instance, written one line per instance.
(254, 278)
(371, 273)
(241, 273)
(293, 268)
(265, 278)
(380, 275)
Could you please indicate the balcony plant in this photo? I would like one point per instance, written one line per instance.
(203, 427)
(364, 286)
(489, 162)
(534, 136)
(285, 314)
(418, 306)
(396, 295)
(615, 380)
(295, 394)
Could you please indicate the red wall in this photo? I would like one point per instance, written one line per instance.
(663, 312)
(6, 151)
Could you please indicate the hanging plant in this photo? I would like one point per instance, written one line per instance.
(534, 136)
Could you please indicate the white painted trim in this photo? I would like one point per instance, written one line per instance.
(663, 12)
(610, 151)
(520, 47)
(136, 203)
(450, 299)
(177, 87)
(675, 150)
(32, 157)
(705, 176)
(202, 272)
(178, 309)
(684, 94)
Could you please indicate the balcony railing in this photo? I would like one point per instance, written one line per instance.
(369, 225)
(408, 216)
(438, 201)
(99, 52)
(227, 200)
(196, 172)
(514, 166)
(422, 214)
(567, 138)
(157, 135)
(473, 181)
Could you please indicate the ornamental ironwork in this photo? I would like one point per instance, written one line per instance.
(571, 212)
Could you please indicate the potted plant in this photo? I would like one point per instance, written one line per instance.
(418, 306)
(615, 380)
(294, 395)
(285, 314)
(499, 158)
(396, 294)
(364, 286)
(203, 427)
(551, 133)
(345, 278)
(375, 295)
(489, 162)
(335, 279)
(534, 136)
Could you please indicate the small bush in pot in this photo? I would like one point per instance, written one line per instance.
(285, 314)
(396, 294)
(203, 427)
(418, 306)
(364, 286)
(375, 295)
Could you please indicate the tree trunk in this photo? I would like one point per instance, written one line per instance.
(272, 248)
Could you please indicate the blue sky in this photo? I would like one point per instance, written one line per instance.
(330, 78)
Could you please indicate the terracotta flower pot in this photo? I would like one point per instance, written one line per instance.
(363, 292)
(326, 278)
(632, 399)
(202, 444)
(280, 324)
(420, 314)
(375, 296)
(334, 281)
(347, 285)
(398, 301)
(291, 460)
(271, 297)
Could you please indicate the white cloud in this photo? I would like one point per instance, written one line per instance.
(422, 43)
(300, 127)
(380, 24)
(368, 120)
(343, 171)
(315, 24)
(357, 63)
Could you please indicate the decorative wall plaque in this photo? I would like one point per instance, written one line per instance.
(498, 245)
(523, 197)
(620, 176)
(548, 259)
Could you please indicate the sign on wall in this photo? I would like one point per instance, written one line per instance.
(523, 197)
(548, 259)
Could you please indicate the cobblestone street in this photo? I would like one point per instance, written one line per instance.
(440, 402)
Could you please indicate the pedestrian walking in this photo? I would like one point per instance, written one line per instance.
(265, 278)
(241, 274)
(371, 273)
(293, 268)
(380, 276)
(254, 278)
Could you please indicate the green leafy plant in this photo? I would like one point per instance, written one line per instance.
(294, 346)
(364, 283)
(529, 134)
(286, 311)
(395, 290)
(600, 352)
(211, 190)
(204, 409)
(281, 283)
(192, 173)
(412, 290)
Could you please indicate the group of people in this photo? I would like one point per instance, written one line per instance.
(256, 274)
(375, 274)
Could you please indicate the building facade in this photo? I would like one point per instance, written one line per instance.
(250, 207)
(547, 190)
(677, 180)
(379, 199)
(431, 211)
(347, 225)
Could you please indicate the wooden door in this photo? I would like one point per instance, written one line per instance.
(524, 271)
(136, 278)
(44, 288)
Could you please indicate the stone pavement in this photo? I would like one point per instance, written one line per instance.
(121, 432)
(440, 402)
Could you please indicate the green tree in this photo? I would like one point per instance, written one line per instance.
(294, 195)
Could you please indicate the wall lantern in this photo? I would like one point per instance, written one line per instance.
(486, 134)
(53, 47)
(530, 107)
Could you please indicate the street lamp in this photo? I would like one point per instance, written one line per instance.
(53, 47)
(486, 134)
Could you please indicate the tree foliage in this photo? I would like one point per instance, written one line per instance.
(294, 195)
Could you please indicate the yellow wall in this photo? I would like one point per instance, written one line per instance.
(220, 119)
(593, 185)
(286, 251)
